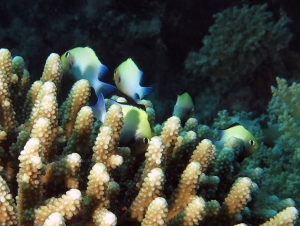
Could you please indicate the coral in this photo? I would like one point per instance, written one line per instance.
(238, 197)
(55, 219)
(8, 208)
(287, 217)
(49, 177)
(186, 189)
(239, 41)
(282, 128)
(192, 213)
(156, 213)
(284, 107)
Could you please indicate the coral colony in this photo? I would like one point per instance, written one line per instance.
(59, 165)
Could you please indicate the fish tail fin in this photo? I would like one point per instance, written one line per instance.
(99, 109)
(103, 88)
(143, 91)
(219, 143)
(102, 71)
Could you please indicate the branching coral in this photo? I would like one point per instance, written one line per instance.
(239, 41)
(285, 108)
(59, 183)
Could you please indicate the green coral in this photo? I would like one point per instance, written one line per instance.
(239, 41)
(284, 108)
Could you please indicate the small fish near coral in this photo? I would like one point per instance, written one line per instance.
(127, 77)
(73, 172)
(236, 130)
(184, 107)
(82, 63)
(136, 124)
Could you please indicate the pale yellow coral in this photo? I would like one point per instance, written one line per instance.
(192, 213)
(67, 205)
(286, 217)
(52, 70)
(169, 136)
(104, 148)
(48, 109)
(114, 119)
(2, 135)
(8, 215)
(7, 114)
(103, 217)
(153, 156)
(97, 184)
(178, 146)
(170, 131)
(238, 197)
(31, 98)
(29, 177)
(103, 145)
(77, 98)
(156, 214)
(42, 131)
(64, 169)
(5, 66)
(48, 88)
(186, 188)
(39, 178)
(205, 154)
(79, 139)
(151, 188)
(55, 219)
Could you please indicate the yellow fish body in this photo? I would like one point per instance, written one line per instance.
(136, 124)
(82, 63)
(238, 131)
(127, 77)
(184, 107)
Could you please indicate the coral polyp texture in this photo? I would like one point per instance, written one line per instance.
(60, 166)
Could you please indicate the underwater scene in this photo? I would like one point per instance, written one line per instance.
(150, 112)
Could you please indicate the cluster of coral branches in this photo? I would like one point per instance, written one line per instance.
(61, 167)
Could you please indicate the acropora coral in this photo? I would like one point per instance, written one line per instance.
(61, 167)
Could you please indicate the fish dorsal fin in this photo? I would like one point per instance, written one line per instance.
(232, 125)
(132, 104)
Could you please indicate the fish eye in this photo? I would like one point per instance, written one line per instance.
(251, 142)
(145, 140)
(67, 54)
